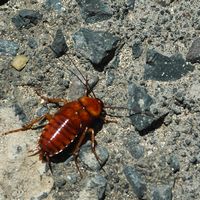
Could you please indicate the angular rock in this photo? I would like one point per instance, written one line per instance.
(162, 68)
(59, 45)
(8, 47)
(139, 103)
(139, 99)
(136, 181)
(94, 10)
(193, 54)
(26, 18)
(97, 46)
(163, 192)
(88, 158)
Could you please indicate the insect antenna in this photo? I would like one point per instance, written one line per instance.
(148, 113)
(86, 84)
(116, 107)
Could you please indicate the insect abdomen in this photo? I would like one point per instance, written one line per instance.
(62, 129)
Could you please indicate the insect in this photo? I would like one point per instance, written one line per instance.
(69, 125)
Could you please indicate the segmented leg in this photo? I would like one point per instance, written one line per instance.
(92, 135)
(30, 124)
(106, 120)
(49, 164)
(76, 150)
(51, 100)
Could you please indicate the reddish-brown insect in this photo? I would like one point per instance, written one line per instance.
(68, 125)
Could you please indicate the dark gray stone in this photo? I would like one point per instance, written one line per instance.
(94, 188)
(163, 192)
(142, 122)
(20, 112)
(32, 43)
(138, 102)
(42, 110)
(110, 77)
(26, 18)
(94, 10)
(137, 151)
(97, 46)
(60, 183)
(130, 4)
(54, 4)
(137, 49)
(136, 181)
(193, 54)
(59, 45)
(88, 158)
(8, 47)
(163, 68)
(174, 163)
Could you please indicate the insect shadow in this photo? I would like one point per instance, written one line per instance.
(3, 2)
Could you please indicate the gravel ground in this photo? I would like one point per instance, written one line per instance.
(145, 56)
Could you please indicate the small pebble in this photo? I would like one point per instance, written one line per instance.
(174, 163)
(19, 62)
(162, 192)
(94, 188)
(88, 158)
(72, 178)
(8, 47)
(136, 181)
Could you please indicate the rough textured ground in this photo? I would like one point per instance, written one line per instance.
(167, 158)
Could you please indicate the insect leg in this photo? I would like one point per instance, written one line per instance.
(51, 100)
(76, 150)
(92, 134)
(76, 163)
(106, 121)
(49, 164)
(29, 125)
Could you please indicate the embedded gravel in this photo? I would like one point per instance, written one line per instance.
(139, 53)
